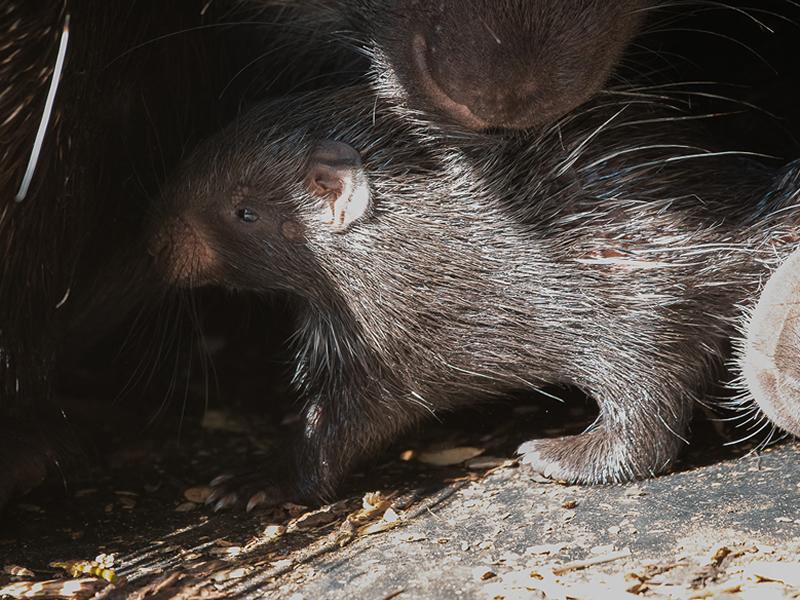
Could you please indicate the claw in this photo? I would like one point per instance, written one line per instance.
(216, 494)
(256, 500)
(226, 502)
(220, 479)
(245, 491)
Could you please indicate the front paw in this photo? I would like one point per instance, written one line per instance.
(246, 491)
(596, 457)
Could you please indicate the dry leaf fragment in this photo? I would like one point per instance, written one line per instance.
(198, 495)
(17, 571)
(449, 456)
(347, 533)
(105, 560)
(520, 584)
(782, 572)
(228, 551)
(390, 516)
(591, 562)
(389, 520)
(483, 573)
(273, 531)
(546, 548)
(719, 554)
(486, 462)
(219, 420)
(374, 502)
(77, 568)
(53, 588)
(378, 527)
(229, 574)
(127, 502)
(634, 491)
(316, 518)
(294, 510)
(407, 455)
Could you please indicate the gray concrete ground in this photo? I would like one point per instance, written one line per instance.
(723, 525)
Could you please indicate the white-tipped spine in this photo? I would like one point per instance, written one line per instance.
(46, 114)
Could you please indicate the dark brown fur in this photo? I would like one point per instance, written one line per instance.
(611, 255)
(73, 265)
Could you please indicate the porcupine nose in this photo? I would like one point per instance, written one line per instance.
(182, 253)
(479, 88)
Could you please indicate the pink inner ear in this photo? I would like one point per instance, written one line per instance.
(336, 177)
(324, 184)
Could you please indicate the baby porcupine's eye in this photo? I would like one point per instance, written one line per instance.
(247, 215)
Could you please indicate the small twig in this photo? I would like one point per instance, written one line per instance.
(590, 562)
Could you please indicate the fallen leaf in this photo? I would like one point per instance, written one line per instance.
(546, 548)
(450, 456)
(229, 574)
(486, 462)
(16, 571)
(784, 572)
(219, 420)
(390, 516)
(483, 573)
(374, 502)
(198, 495)
(317, 518)
(273, 531)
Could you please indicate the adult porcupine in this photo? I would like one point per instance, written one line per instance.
(131, 87)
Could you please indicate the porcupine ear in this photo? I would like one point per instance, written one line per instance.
(336, 177)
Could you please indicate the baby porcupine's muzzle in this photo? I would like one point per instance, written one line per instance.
(182, 253)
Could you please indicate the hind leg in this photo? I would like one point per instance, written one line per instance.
(770, 361)
(637, 435)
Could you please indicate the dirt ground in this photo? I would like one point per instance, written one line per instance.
(724, 525)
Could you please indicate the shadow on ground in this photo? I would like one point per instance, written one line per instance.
(724, 523)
